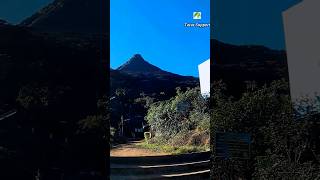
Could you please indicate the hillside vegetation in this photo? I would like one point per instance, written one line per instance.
(180, 124)
(282, 147)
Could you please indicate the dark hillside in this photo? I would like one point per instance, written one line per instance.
(236, 65)
(53, 82)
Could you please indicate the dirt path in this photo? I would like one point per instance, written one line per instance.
(131, 149)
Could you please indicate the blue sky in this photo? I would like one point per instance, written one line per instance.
(250, 21)
(155, 29)
(14, 11)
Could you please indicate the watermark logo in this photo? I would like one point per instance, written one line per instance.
(197, 15)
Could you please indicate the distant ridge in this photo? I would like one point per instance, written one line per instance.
(3, 22)
(237, 64)
(70, 16)
(235, 54)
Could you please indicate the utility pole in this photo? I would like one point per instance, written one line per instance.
(122, 125)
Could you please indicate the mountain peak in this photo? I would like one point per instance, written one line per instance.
(137, 58)
(137, 64)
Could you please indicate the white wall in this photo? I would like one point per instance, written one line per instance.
(204, 76)
(302, 32)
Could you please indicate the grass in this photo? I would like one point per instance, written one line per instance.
(172, 149)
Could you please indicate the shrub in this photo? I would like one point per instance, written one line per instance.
(179, 117)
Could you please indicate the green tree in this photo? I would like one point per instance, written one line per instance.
(32, 96)
(97, 123)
